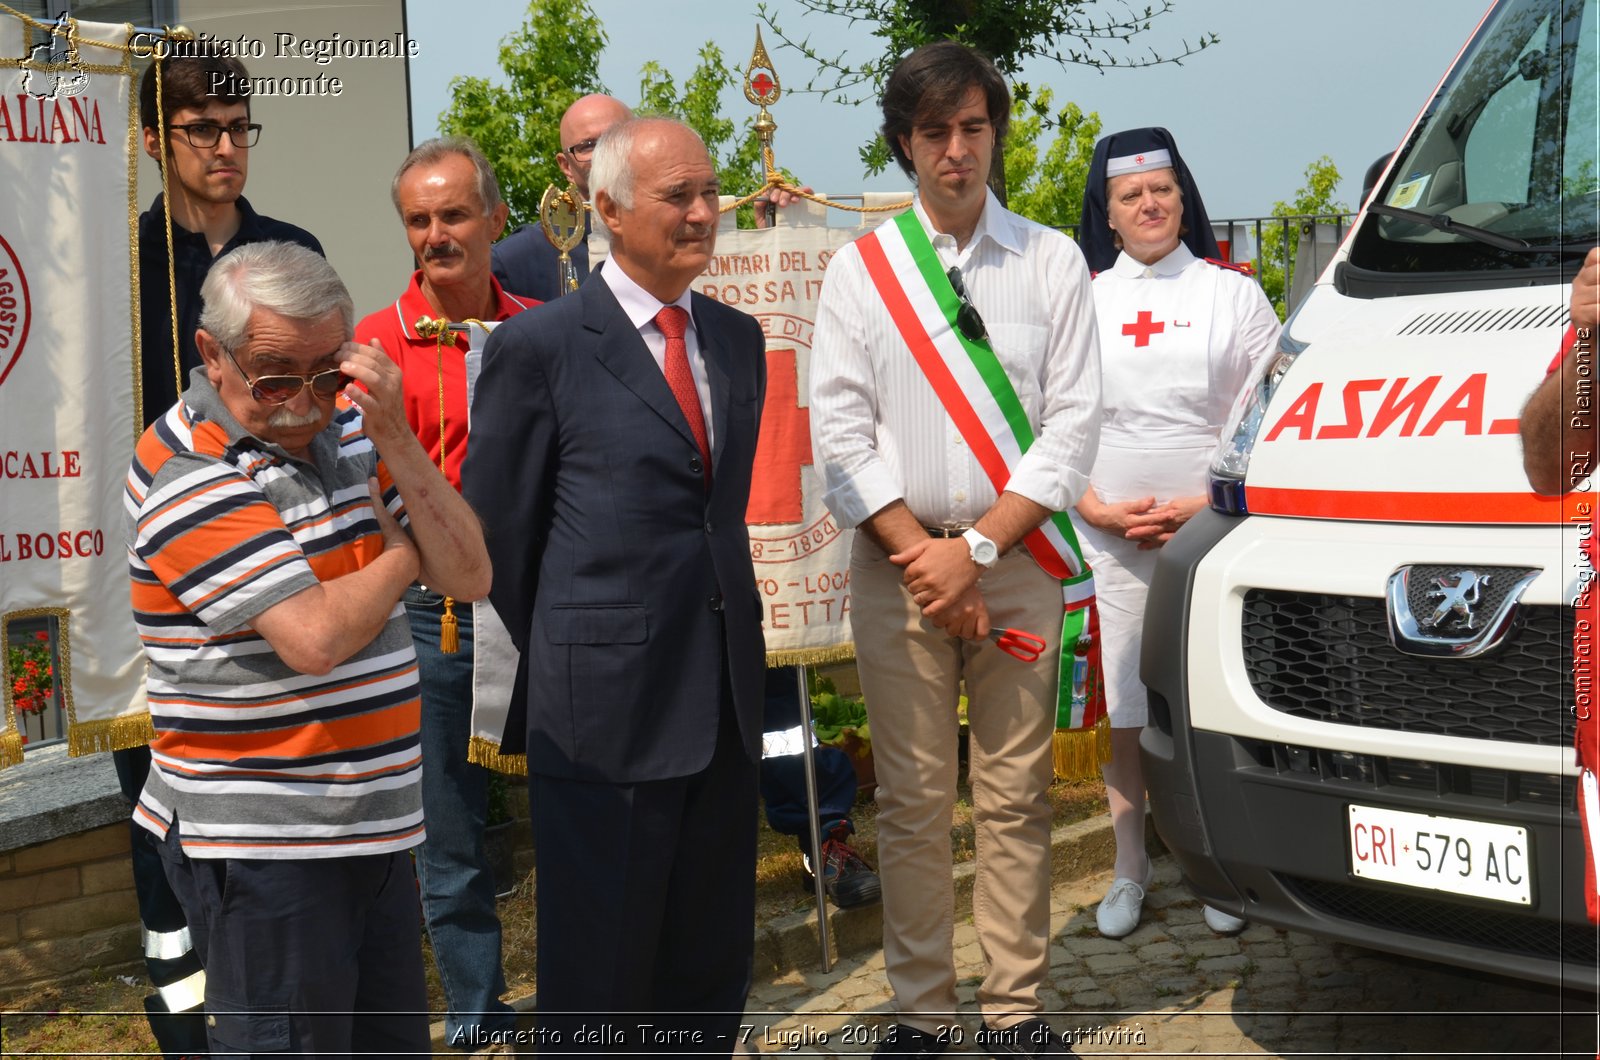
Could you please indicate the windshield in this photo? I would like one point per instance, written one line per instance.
(1508, 146)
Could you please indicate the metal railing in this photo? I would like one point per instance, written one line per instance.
(1301, 244)
(1243, 238)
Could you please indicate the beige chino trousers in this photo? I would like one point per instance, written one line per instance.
(911, 675)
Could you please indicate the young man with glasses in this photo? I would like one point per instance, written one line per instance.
(937, 564)
(205, 158)
(525, 263)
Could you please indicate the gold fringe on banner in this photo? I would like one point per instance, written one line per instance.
(486, 753)
(1079, 753)
(811, 656)
(10, 748)
(109, 734)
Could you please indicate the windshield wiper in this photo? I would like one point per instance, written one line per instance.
(1443, 223)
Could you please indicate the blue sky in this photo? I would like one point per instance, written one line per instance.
(1291, 80)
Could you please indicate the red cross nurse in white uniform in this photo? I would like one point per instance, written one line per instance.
(1180, 337)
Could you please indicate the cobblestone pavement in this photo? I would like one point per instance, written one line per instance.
(1175, 987)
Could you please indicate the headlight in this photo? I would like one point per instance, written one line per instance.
(1232, 458)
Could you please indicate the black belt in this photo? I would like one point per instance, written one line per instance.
(946, 531)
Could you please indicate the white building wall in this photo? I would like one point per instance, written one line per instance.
(324, 161)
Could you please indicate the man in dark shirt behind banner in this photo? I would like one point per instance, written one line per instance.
(206, 158)
(205, 169)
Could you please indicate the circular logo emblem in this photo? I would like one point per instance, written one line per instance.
(16, 311)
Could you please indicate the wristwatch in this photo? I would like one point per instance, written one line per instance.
(984, 552)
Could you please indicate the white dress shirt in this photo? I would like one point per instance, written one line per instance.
(878, 431)
(641, 307)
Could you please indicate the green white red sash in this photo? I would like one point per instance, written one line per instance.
(972, 385)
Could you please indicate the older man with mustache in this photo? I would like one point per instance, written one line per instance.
(277, 512)
(450, 207)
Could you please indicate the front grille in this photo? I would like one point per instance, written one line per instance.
(1328, 658)
(1470, 925)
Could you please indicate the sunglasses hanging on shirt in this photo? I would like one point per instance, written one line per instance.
(968, 322)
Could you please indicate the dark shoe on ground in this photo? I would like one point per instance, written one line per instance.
(901, 1040)
(1031, 1038)
(846, 876)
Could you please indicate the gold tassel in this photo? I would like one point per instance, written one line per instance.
(10, 749)
(486, 753)
(1079, 753)
(449, 629)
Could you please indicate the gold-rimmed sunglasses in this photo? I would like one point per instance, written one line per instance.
(278, 389)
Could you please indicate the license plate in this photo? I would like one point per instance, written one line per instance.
(1441, 854)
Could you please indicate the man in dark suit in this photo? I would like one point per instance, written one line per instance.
(525, 262)
(613, 436)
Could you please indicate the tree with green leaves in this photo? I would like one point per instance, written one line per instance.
(553, 59)
(1092, 33)
(1049, 188)
(549, 62)
(1313, 202)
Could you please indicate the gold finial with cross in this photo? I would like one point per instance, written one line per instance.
(762, 88)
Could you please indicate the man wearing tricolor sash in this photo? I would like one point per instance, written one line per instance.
(955, 399)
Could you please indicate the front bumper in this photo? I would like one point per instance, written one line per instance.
(1253, 800)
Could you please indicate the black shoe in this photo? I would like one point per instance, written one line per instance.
(901, 1040)
(846, 876)
(1031, 1038)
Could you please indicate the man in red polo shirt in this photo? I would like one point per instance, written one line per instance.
(450, 206)
(1559, 443)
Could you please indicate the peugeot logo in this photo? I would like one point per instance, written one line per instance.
(1454, 612)
(1457, 600)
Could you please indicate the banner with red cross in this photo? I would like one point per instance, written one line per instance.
(801, 556)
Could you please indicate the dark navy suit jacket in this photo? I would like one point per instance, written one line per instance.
(526, 263)
(626, 584)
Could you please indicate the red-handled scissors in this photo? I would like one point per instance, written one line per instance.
(1018, 644)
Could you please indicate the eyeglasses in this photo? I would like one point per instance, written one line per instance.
(968, 322)
(278, 389)
(209, 133)
(582, 151)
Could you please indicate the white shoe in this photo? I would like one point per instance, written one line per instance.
(1224, 923)
(1119, 910)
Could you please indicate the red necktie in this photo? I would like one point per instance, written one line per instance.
(674, 321)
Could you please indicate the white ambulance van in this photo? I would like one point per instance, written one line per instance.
(1359, 660)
